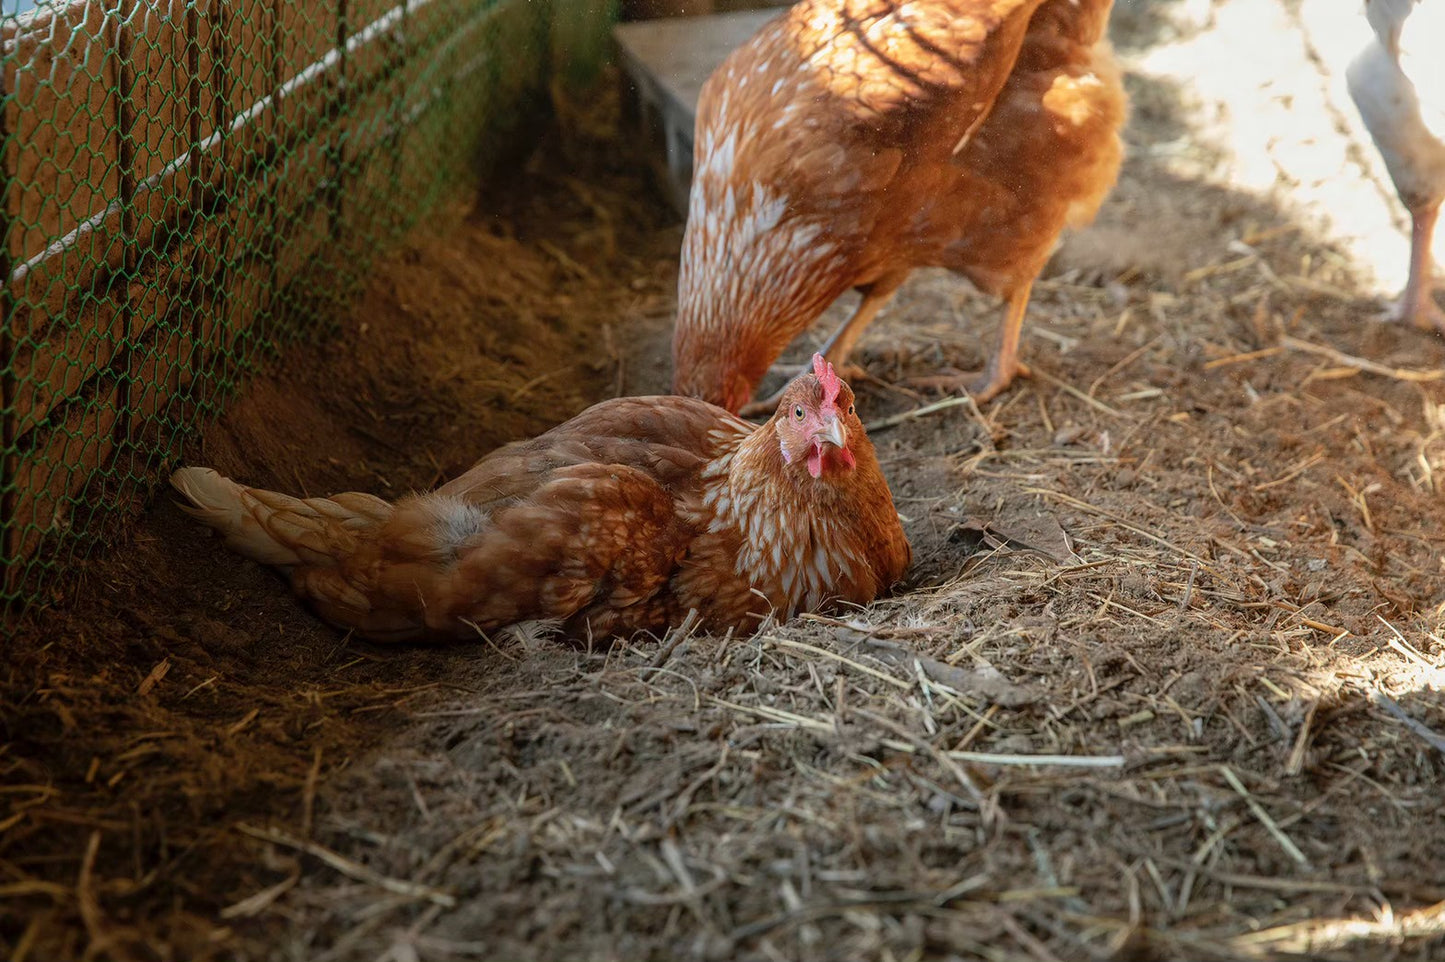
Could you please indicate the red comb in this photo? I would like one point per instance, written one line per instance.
(823, 371)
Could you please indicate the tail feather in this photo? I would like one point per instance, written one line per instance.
(277, 529)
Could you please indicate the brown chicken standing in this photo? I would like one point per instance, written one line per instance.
(619, 520)
(851, 141)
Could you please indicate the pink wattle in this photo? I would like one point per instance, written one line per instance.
(835, 459)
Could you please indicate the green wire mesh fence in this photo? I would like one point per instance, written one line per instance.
(185, 184)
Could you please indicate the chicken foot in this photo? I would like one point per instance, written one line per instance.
(1417, 303)
(1002, 367)
(840, 344)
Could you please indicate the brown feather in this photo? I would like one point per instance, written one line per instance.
(623, 519)
(849, 143)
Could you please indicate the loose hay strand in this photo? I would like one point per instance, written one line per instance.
(842, 659)
(1360, 363)
(1432, 739)
(348, 867)
(893, 420)
(1093, 509)
(1314, 936)
(1034, 761)
(1269, 823)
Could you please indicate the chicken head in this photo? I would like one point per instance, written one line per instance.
(816, 421)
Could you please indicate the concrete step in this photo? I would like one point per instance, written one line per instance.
(664, 64)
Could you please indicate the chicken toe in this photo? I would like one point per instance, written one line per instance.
(1415, 307)
(982, 386)
(1002, 367)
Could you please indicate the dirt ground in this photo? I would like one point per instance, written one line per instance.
(1198, 554)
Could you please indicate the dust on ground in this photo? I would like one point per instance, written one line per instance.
(1198, 553)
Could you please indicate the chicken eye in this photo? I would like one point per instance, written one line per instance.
(850, 410)
(798, 412)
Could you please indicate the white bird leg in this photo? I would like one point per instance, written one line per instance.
(1417, 303)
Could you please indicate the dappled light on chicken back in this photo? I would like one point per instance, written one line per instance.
(879, 57)
(846, 145)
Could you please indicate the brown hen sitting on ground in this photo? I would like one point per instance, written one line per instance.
(620, 520)
(851, 141)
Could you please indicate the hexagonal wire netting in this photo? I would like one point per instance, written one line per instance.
(184, 185)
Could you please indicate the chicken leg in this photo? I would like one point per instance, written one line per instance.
(1002, 367)
(1417, 303)
(840, 344)
(875, 295)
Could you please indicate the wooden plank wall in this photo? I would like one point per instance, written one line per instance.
(178, 177)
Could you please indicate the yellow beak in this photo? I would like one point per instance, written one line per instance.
(831, 430)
